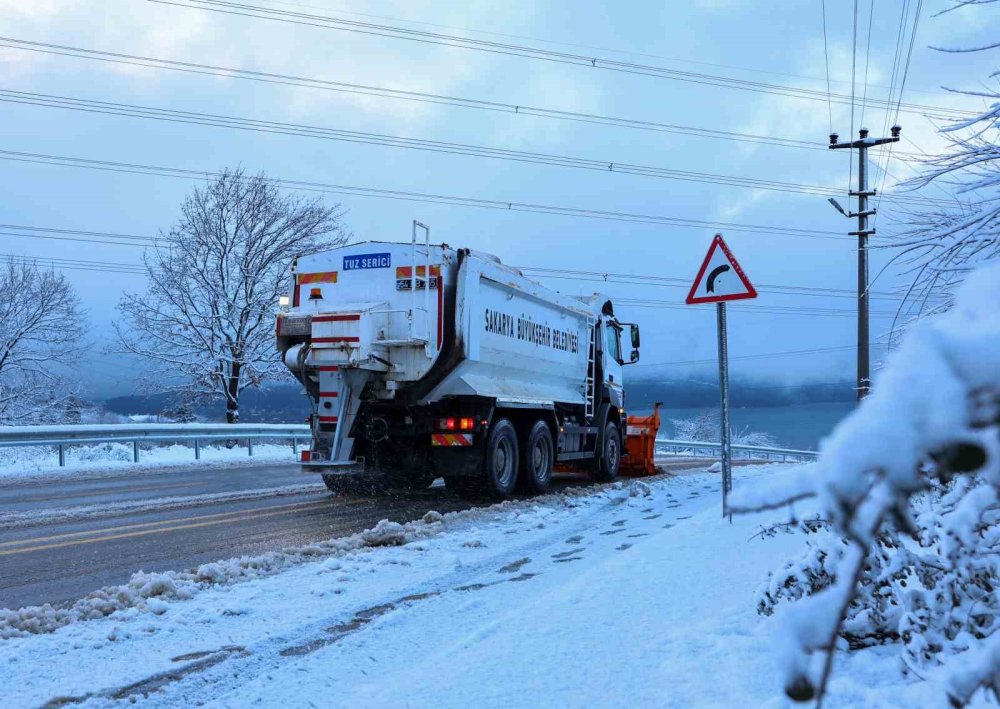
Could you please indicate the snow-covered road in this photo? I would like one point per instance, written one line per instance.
(633, 595)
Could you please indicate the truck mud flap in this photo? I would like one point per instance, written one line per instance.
(458, 461)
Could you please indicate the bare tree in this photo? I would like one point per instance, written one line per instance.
(206, 320)
(939, 247)
(41, 326)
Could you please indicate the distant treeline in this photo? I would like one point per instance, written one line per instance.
(276, 404)
(687, 393)
(287, 404)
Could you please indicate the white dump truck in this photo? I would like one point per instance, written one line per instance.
(423, 361)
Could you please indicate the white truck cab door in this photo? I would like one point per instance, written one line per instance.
(613, 356)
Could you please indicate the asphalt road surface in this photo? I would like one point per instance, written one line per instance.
(61, 539)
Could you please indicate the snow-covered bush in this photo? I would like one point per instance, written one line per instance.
(909, 491)
(706, 427)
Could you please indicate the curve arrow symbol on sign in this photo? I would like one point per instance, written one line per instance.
(716, 272)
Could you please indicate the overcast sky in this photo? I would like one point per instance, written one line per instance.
(778, 43)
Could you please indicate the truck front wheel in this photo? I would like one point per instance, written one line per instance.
(539, 454)
(610, 454)
(500, 464)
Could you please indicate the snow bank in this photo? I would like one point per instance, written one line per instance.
(114, 458)
(185, 584)
(622, 596)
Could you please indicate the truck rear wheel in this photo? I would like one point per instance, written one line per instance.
(606, 468)
(539, 456)
(501, 461)
(498, 476)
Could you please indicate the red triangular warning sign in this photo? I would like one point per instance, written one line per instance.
(720, 277)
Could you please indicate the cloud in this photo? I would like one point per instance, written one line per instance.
(193, 35)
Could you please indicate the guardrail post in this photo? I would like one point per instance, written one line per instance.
(135, 451)
(62, 456)
(295, 447)
(249, 446)
(197, 449)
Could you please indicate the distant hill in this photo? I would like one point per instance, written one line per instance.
(287, 403)
(684, 394)
(277, 404)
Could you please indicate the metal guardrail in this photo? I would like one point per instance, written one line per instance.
(705, 448)
(197, 433)
(63, 436)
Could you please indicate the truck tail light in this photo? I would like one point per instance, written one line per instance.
(456, 424)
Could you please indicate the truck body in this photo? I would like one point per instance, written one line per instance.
(424, 361)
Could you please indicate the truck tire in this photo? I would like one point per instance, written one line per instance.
(500, 463)
(606, 468)
(538, 459)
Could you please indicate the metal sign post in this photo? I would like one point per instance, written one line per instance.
(720, 279)
(725, 449)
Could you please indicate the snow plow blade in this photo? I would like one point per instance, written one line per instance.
(640, 444)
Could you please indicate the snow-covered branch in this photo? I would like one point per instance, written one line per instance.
(910, 488)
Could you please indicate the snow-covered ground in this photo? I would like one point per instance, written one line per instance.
(638, 594)
(116, 458)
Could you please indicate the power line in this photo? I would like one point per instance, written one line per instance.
(138, 269)
(434, 38)
(854, 59)
(503, 205)
(398, 94)
(826, 58)
(674, 282)
(117, 239)
(569, 44)
(762, 355)
(902, 87)
(435, 146)
(756, 309)
(868, 51)
(77, 264)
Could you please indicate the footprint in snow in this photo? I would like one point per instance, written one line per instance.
(576, 539)
(571, 558)
(635, 536)
(652, 516)
(564, 554)
(523, 577)
(473, 586)
(623, 547)
(618, 523)
(612, 531)
(514, 566)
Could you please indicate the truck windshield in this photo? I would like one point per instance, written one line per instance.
(613, 343)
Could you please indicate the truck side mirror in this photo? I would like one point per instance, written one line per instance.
(635, 356)
(634, 331)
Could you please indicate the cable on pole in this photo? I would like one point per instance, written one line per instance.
(826, 58)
